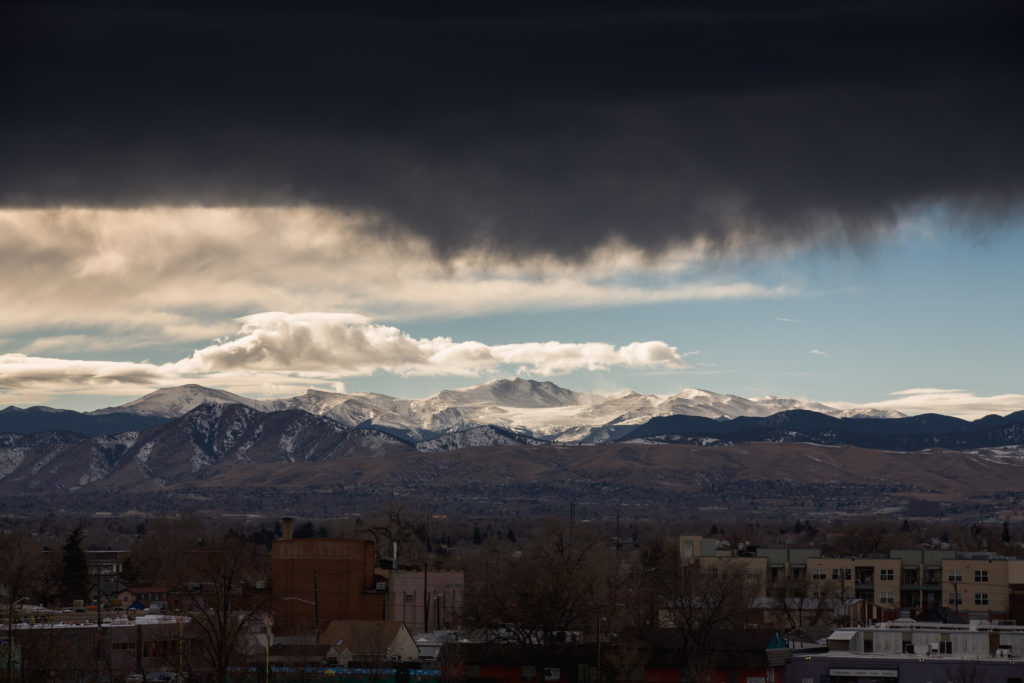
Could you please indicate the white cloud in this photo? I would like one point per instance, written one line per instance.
(289, 351)
(175, 273)
(346, 344)
(956, 402)
(818, 352)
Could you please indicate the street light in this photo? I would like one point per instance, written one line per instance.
(315, 603)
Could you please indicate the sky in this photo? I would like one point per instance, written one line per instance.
(818, 200)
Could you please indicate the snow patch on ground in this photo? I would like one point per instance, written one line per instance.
(143, 453)
(199, 459)
(98, 469)
(10, 460)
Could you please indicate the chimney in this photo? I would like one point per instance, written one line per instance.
(286, 529)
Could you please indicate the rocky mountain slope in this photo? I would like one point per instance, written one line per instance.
(209, 439)
(231, 458)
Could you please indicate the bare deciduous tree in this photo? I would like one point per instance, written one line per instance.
(703, 603)
(21, 564)
(223, 605)
(800, 602)
(557, 586)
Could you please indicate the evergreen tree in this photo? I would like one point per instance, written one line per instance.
(1006, 531)
(307, 530)
(477, 536)
(131, 572)
(74, 583)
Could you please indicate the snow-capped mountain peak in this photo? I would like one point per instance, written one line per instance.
(522, 406)
(176, 401)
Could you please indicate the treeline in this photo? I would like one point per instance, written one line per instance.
(45, 557)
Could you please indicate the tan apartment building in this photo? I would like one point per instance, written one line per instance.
(873, 578)
(976, 582)
(907, 581)
(707, 553)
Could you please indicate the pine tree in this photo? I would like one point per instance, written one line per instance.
(74, 581)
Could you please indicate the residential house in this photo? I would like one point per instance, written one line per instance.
(370, 641)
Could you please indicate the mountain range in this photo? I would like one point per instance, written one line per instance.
(538, 410)
(527, 412)
(513, 440)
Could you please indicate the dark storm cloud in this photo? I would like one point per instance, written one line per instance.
(536, 128)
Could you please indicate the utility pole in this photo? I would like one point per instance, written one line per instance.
(99, 619)
(181, 645)
(316, 606)
(11, 604)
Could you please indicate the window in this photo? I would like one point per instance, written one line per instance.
(410, 598)
(981, 576)
(946, 647)
(956, 598)
(956, 575)
(841, 574)
(818, 574)
(885, 575)
(981, 598)
(886, 598)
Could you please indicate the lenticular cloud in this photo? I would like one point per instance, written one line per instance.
(347, 344)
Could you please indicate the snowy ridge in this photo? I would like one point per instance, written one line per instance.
(541, 410)
(176, 401)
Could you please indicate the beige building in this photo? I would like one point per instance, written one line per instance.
(424, 602)
(975, 582)
(910, 581)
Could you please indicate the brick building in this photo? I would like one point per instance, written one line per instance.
(332, 578)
